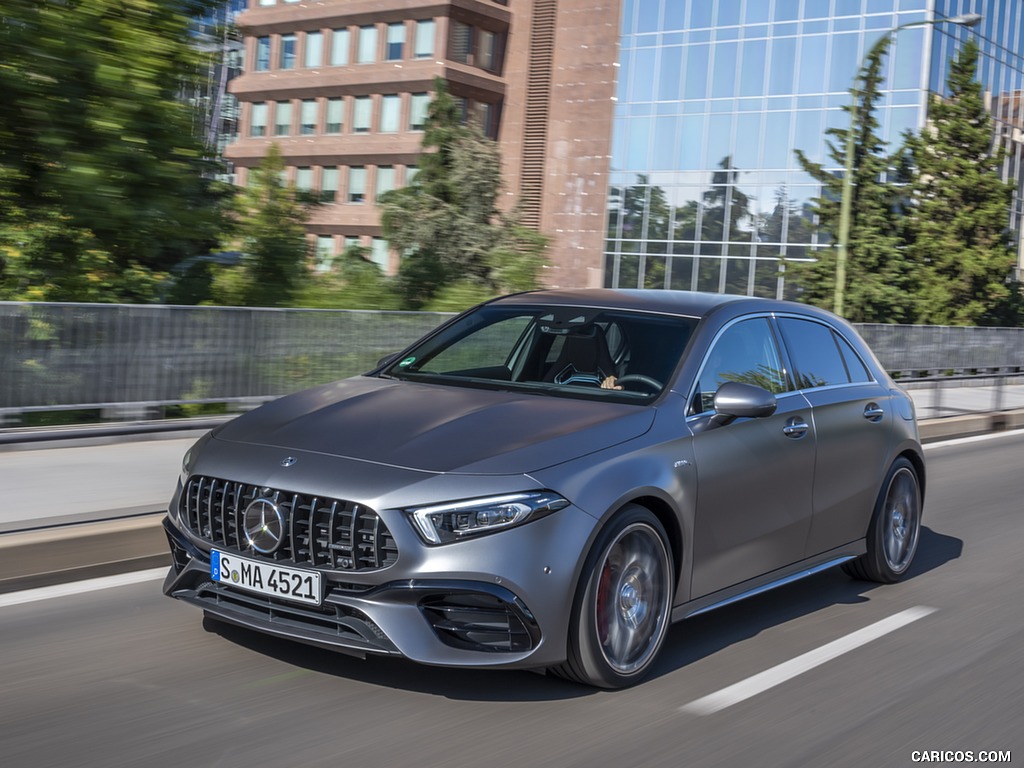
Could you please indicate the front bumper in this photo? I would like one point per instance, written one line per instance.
(430, 611)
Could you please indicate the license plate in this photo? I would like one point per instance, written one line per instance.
(266, 578)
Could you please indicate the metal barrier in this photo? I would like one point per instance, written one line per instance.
(107, 356)
(95, 356)
(934, 350)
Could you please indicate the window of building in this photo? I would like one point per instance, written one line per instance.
(461, 46)
(288, 45)
(488, 46)
(282, 118)
(258, 121)
(314, 49)
(324, 252)
(380, 252)
(356, 184)
(390, 105)
(304, 179)
(329, 185)
(352, 242)
(307, 117)
(396, 41)
(410, 173)
(339, 47)
(420, 103)
(262, 54)
(423, 48)
(267, 2)
(367, 52)
(385, 179)
(361, 114)
(335, 111)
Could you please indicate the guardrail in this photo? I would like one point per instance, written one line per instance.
(132, 360)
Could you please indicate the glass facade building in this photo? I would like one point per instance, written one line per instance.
(714, 98)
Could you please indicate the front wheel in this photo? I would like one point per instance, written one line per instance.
(894, 530)
(622, 608)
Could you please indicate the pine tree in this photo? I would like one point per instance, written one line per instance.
(956, 220)
(877, 273)
(446, 222)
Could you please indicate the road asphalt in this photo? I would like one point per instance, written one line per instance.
(83, 508)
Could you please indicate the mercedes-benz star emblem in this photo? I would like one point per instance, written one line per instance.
(288, 461)
(264, 526)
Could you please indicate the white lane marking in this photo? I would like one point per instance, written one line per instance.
(779, 674)
(974, 439)
(78, 587)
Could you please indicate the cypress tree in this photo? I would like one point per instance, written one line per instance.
(956, 219)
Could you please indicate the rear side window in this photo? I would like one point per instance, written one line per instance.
(821, 357)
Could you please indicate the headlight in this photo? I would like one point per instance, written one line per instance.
(445, 523)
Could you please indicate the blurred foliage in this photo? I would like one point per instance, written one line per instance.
(356, 283)
(270, 218)
(446, 222)
(103, 186)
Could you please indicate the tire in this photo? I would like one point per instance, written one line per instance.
(894, 530)
(623, 603)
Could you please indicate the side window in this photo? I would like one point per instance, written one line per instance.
(745, 352)
(854, 365)
(821, 358)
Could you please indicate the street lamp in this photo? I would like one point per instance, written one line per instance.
(846, 201)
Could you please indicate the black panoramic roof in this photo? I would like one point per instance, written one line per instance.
(687, 303)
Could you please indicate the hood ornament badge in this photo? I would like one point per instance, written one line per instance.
(288, 461)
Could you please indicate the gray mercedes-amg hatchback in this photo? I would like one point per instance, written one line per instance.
(550, 479)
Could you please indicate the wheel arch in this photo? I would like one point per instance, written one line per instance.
(917, 460)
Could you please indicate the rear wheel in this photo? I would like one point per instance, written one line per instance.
(623, 604)
(894, 530)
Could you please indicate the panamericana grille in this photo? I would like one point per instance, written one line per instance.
(319, 531)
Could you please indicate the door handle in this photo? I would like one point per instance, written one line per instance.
(873, 413)
(795, 428)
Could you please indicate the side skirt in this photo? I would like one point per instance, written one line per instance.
(770, 581)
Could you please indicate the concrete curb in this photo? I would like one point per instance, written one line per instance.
(970, 425)
(40, 558)
(71, 553)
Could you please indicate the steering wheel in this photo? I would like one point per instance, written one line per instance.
(639, 378)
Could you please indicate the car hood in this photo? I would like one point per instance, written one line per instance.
(438, 428)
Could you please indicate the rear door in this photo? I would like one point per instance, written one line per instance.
(852, 420)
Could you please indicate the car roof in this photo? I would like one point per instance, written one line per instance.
(688, 303)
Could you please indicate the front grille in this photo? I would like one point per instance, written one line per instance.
(319, 531)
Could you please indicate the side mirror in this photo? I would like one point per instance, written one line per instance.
(734, 400)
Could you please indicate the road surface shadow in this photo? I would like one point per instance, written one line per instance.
(694, 639)
(687, 642)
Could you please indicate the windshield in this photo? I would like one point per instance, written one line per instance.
(577, 352)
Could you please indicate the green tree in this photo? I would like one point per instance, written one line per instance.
(955, 223)
(878, 274)
(356, 283)
(446, 222)
(95, 144)
(270, 223)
